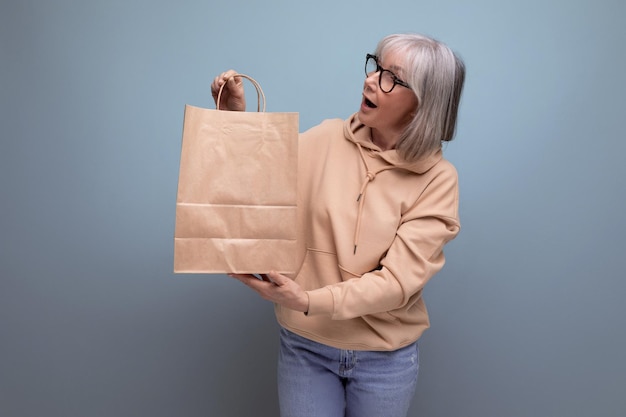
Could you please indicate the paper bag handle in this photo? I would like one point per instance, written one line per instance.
(259, 92)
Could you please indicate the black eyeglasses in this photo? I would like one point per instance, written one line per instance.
(387, 80)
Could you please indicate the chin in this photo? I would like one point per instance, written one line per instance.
(365, 118)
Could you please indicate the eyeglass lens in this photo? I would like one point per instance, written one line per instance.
(386, 78)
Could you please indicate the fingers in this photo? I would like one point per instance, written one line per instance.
(269, 278)
(225, 77)
(265, 278)
(244, 277)
(277, 278)
(276, 288)
(232, 95)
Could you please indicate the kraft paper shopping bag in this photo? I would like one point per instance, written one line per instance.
(236, 202)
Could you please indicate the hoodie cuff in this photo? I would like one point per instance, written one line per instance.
(320, 302)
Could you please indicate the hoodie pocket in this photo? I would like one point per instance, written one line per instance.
(320, 268)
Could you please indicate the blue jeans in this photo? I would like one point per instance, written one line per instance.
(315, 380)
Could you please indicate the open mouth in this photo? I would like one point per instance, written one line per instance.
(368, 103)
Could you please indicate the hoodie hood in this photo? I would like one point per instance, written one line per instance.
(359, 134)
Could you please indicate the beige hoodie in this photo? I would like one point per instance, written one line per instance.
(371, 234)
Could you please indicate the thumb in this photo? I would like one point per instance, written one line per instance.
(277, 278)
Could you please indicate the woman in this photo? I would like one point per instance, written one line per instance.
(377, 204)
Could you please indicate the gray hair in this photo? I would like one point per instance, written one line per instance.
(436, 76)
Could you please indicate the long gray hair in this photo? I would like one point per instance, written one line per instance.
(436, 76)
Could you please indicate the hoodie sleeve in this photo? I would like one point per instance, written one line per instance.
(415, 255)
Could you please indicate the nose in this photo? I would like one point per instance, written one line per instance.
(371, 80)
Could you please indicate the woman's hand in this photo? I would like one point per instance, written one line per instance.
(278, 289)
(232, 97)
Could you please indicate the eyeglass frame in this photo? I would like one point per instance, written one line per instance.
(380, 70)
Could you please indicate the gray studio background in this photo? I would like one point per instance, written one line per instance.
(528, 316)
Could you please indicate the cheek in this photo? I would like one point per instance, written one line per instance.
(411, 105)
(404, 112)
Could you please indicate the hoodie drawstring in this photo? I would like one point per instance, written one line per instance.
(369, 177)
(361, 200)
